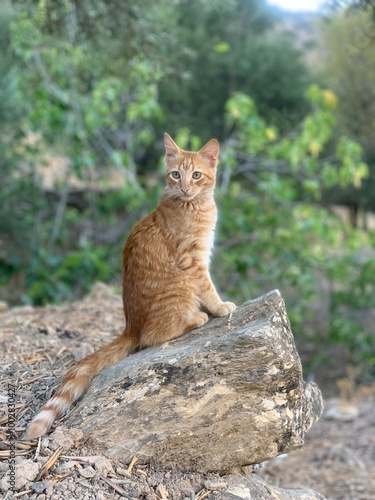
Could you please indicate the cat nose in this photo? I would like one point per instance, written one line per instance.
(185, 190)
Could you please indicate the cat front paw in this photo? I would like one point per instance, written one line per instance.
(225, 309)
(201, 319)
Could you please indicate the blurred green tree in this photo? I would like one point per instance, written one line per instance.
(223, 47)
(274, 233)
(90, 78)
(84, 76)
(348, 38)
(19, 194)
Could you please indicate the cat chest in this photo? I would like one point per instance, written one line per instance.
(195, 250)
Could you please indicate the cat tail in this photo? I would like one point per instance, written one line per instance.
(77, 380)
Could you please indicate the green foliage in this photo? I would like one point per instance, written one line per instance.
(75, 88)
(352, 300)
(57, 278)
(348, 69)
(221, 48)
(19, 195)
(99, 115)
(272, 236)
(298, 156)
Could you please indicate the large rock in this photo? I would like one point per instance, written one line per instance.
(228, 394)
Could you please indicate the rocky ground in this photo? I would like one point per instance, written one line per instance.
(38, 344)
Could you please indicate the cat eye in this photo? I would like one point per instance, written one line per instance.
(175, 174)
(197, 175)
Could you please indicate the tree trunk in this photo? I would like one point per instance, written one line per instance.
(225, 395)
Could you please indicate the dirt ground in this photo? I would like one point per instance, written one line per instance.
(39, 344)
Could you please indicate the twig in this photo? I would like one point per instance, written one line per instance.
(37, 451)
(50, 463)
(22, 493)
(114, 486)
(202, 494)
(86, 460)
(61, 477)
(49, 359)
(132, 463)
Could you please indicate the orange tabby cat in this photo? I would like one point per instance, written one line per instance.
(166, 282)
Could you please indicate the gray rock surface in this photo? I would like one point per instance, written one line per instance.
(228, 394)
(253, 487)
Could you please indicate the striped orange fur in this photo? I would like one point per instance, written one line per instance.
(167, 289)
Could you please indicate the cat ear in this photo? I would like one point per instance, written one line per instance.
(210, 152)
(171, 148)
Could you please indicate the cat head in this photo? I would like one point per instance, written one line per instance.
(190, 174)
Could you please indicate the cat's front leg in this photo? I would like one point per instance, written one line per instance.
(211, 301)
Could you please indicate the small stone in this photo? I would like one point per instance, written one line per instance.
(45, 329)
(151, 481)
(240, 492)
(248, 488)
(152, 496)
(49, 491)
(45, 443)
(103, 466)
(215, 485)
(162, 492)
(38, 487)
(3, 306)
(68, 465)
(87, 472)
(84, 483)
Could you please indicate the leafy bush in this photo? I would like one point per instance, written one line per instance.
(57, 278)
(274, 234)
